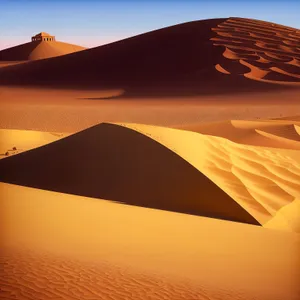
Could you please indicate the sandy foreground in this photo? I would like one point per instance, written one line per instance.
(73, 247)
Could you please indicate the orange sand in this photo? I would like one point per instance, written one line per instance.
(113, 250)
(224, 90)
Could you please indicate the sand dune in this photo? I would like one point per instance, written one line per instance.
(116, 163)
(182, 60)
(63, 246)
(216, 177)
(38, 50)
(70, 111)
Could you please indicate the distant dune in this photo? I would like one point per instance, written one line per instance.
(202, 57)
(37, 50)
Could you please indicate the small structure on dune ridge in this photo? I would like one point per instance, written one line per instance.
(43, 36)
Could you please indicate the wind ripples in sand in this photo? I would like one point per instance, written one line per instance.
(268, 51)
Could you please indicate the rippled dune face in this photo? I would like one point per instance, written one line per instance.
(263, 180)
(259, 50)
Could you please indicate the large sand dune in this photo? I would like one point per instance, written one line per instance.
(170, 169)
(116, 163)
(186, 59)
(37, 50)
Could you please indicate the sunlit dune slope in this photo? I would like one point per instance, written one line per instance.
(267, 133)
(16, 141)
(264, 181)
(57, 246)
(201, 57)
(38, 50)
(117, 163)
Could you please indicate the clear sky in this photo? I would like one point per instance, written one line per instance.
(92, 23)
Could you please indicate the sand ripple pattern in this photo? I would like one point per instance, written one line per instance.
(264, 181)
(259, 50)
(28, 275)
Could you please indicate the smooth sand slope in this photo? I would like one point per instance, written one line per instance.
(37, 50)
(57, 246)
(181, 60)
(117, 163)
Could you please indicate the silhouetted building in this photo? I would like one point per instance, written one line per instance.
(43, 36)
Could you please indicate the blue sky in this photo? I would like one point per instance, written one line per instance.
(94, 22)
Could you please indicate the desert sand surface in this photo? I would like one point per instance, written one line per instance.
(70, 110)
(162, 166)
(113, 251)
